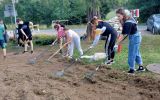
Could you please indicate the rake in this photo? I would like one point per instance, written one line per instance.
(89, 75)
(59, 74)
(18, 50)
(48, 60)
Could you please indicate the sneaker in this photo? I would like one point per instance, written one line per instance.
(140, 69)
(69, 58)
(31, 52)
(112, 61)
(131, 71)
(24, 51)
(108, 62)
(4, 57)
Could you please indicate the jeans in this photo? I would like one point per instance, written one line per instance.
(134, 54)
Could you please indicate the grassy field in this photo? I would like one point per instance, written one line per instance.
(150, 50)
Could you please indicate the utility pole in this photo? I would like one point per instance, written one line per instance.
(14, 10)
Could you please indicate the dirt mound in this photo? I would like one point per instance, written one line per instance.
(22, 81)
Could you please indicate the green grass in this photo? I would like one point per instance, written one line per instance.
(150, 51)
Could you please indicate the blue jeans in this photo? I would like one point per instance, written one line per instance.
(134, 54)
(2, 44)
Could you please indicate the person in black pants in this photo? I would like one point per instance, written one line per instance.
(106, 30)
(20, 38)
(26, 31)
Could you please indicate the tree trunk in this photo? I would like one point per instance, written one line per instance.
(94, 10)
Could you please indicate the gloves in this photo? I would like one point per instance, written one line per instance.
(115, 47)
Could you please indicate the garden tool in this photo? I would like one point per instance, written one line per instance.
(33, 61)
(61, 73)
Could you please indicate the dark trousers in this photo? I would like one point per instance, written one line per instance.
(110, 53)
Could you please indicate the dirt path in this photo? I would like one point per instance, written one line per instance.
(21, 81)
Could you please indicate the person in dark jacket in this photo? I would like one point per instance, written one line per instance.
(106, 30)
(26, 31)
(130, 28)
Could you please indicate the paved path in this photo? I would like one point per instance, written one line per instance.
(80, 31)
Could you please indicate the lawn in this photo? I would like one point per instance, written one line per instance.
(150, 50)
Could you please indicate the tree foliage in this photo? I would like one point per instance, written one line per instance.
(77, 11)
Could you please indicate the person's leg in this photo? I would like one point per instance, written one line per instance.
(31, 43)
(18, 40)
(139, 60)
(106, 44)
(138, 56)
(71, 48)
(111, 52)
(113, 41)
(25, 46)
(108, 58)
(131, 55)
(4, 52)
(78, 45)
(3, 46)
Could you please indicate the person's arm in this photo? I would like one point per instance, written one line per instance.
(24, 33)
(125, 32)
(97, 37)
(54, 42)
(103, 29)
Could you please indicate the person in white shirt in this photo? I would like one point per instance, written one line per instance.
(73, 39)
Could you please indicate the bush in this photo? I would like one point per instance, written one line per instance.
(43, 39)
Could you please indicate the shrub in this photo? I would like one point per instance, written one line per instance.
(43, 39)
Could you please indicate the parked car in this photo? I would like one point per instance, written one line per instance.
(153, 24)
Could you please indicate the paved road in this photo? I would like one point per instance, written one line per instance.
(81, 30)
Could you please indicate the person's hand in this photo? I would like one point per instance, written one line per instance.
(115, 47)
(52, 44)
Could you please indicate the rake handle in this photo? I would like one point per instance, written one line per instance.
(56, 52)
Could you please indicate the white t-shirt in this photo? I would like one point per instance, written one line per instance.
(72, 34)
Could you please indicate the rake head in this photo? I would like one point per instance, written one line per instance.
(48, 61)
(58, 74)
(89, 77)
(16, 53)
(32, 61)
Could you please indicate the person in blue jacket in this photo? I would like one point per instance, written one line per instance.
(2, 39)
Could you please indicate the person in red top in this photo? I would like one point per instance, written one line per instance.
(60, 35)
